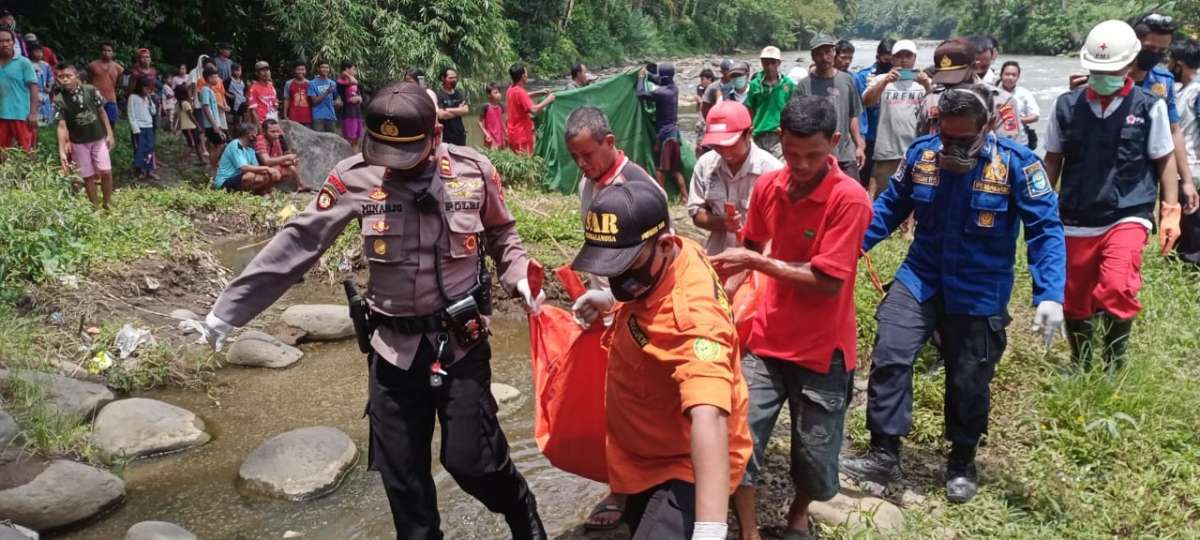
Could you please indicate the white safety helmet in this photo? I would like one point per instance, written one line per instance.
(1110, 46)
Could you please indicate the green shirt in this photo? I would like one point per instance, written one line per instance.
(766, 103)
(81, 110)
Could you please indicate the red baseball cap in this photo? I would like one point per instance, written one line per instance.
(725, 123)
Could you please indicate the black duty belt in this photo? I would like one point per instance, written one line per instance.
(423, 324)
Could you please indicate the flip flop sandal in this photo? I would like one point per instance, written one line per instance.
(604, 509)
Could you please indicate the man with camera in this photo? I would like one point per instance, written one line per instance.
(429, 211)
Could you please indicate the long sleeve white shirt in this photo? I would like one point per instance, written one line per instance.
(141, 113)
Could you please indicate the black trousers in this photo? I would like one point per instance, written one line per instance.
(664, 512)
(474, 451)
(971, 347)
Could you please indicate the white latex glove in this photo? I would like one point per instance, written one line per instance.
(591, 304)
(215, 331)
(709, 530)
(533, 306)
(1048, 320)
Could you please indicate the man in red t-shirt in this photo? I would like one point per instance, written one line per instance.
(802, 349)
(262, 99)
(295, 97)
(521, 110)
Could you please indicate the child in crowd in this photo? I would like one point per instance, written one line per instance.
(141, 125)
(166, 96)
(352, 118)
(236, 95)
(211, 118)
(185, 122)
(491, 120)
(295, 97)
(84, 134)
(45, 81)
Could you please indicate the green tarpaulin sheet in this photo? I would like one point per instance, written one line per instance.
(632, 124)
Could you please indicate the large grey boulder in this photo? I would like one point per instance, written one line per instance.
(139, 427)
(8, 430)
(317, 152)
(319, 322)
(859, 514)
(65, 396)
(300, 464)
(158, 530)
(256, 349)
(63, 493)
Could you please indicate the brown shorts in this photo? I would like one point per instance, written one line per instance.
(668, 155)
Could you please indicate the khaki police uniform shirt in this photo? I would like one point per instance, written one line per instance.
(398, 242)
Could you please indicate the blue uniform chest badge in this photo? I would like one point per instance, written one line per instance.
(1036, 181)
(995, 179)
(925, 170)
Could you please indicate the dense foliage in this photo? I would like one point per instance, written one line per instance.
(1022, 26)
(480, 37)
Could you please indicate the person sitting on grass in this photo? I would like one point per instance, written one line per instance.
(239, 170)
(84, 134)
(272, 150)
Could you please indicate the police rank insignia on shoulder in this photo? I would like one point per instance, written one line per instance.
(706, 349)
(1036, 181)
(336, 182)
(378, 194)
(326, 198)
(444, 167)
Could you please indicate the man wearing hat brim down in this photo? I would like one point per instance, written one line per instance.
(675, 398)
(972, 195)
(954, 65)
(724, 178)
(769, 94)
(429, 212)
(1111, 144)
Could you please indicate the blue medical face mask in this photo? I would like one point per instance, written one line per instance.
(739, 82)
(1106, 85)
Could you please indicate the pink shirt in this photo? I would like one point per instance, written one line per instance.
(493, 124)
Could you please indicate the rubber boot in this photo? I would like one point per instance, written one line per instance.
(1079, 336)
(1116, 341)
(962, 479)
(526, 524)
(881, 464)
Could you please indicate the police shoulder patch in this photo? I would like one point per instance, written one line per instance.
(1037, 183)
(326, 198)
(707, 349)
(335, 181)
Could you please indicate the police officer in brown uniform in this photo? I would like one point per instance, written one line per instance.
(429, 211)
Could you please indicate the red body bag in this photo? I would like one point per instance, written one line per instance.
(569, 370)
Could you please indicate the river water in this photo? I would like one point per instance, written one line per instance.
(197, 488)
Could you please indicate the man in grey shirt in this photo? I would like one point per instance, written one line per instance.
(826, 81)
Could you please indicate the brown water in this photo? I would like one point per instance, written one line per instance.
(197, 488)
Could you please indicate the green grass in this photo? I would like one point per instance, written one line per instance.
(1072, 454)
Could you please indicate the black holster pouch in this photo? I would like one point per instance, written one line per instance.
(465, 321)
(360, 315)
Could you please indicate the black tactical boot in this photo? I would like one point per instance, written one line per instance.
(962, 480)
(1116, 342)
(881, 464)
(526, 524)
(1079, 336)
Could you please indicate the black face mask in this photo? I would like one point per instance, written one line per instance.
(635, 283)
(882, 67)
(1146, 60)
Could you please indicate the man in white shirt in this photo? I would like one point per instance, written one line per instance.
(899, 94)
(724, 178)
(1185, 60)
(1027, 107)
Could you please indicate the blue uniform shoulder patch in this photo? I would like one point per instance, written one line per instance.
(1036, 181)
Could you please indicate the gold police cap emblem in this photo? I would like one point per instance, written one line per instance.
(389, 129)
(946, 62)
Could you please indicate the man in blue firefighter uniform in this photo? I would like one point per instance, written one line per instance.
(970, 192)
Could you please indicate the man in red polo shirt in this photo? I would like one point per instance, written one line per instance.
(802, 349)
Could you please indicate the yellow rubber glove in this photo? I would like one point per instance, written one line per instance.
(1168, 226)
